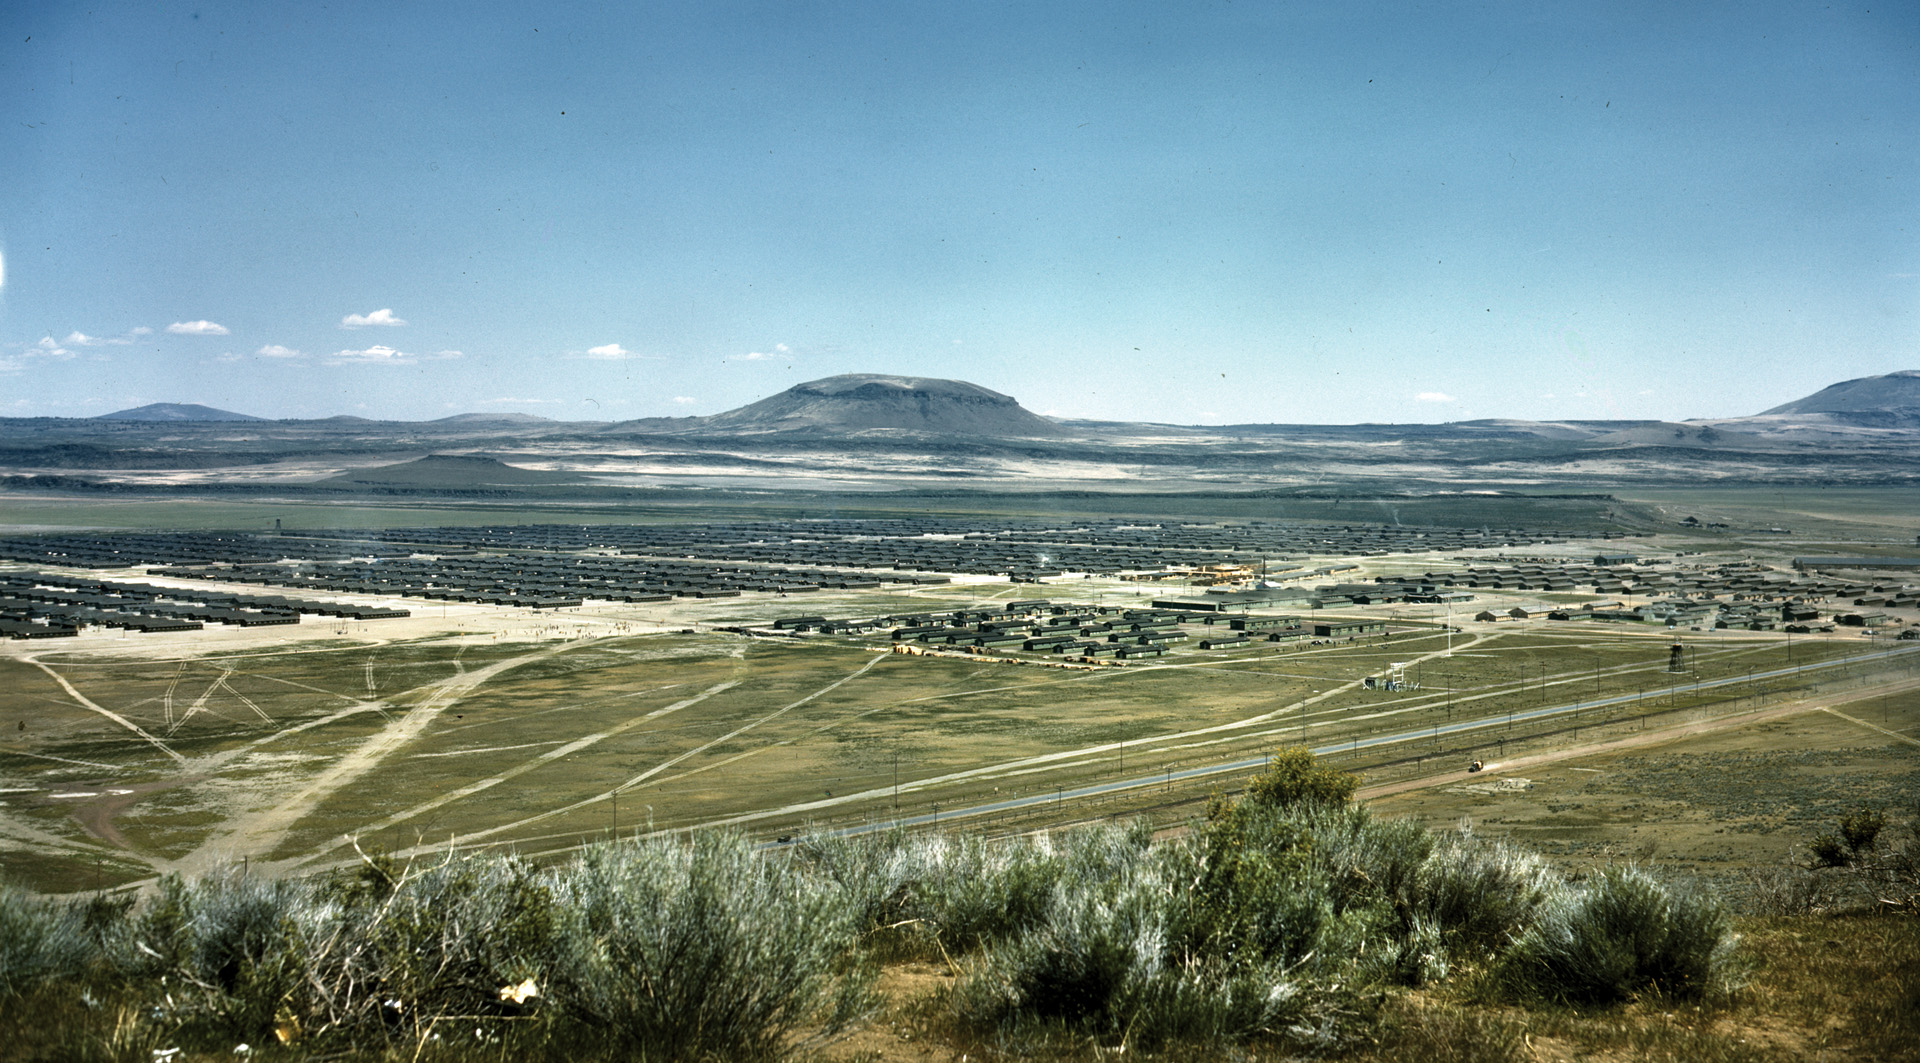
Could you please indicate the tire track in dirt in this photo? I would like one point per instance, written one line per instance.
(88, 704)
(522, 768)
(671, 761)
(259, 832)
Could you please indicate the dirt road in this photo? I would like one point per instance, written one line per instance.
(1649, 738)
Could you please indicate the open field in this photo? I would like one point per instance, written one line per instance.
(1746, 790)
(1572, 507)
(483, 726)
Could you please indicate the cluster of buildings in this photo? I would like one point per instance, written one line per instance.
(534, 581)
(37, 605)
(974, 546)
(1082, 632)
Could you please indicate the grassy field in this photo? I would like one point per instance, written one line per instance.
(120, 763)
(1713, 803)
(1576, 509)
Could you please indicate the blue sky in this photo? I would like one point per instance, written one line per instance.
(1196, 213)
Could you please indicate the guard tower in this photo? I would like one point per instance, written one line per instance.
(1677, 658)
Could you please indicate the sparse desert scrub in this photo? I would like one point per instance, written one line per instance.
(1871, 862)
(1290, 919)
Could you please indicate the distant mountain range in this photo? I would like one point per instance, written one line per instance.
(876, 404)
(869, 431)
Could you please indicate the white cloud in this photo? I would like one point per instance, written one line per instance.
(1434, 396)
(76, 338)
(609, 350)
(198, 328)
(274, 350)
(49, 348)
(378, 317)
(374, 355)
(684, 400)
(380, 354)
(780, 350)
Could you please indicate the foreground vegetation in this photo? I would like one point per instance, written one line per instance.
(1289, 923)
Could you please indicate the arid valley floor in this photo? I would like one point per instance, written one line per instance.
(131, 755)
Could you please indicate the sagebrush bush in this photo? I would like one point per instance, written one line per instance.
(1789, 890)
(706, 950)
(440, 940)
(40, 941)
(1103, 963)
(1480, 894)
(970, 892)
(965, 891)
(239, 946)
(1623, 934)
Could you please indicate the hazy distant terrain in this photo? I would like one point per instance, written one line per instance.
(867, 432)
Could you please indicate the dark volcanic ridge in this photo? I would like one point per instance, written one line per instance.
(176, 411)
(450, 471)
(869, 402)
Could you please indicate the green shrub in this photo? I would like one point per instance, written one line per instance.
(1624, 934)
(1239, 888)
(1830, 851)
(1860, 828)
(1294, 777)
